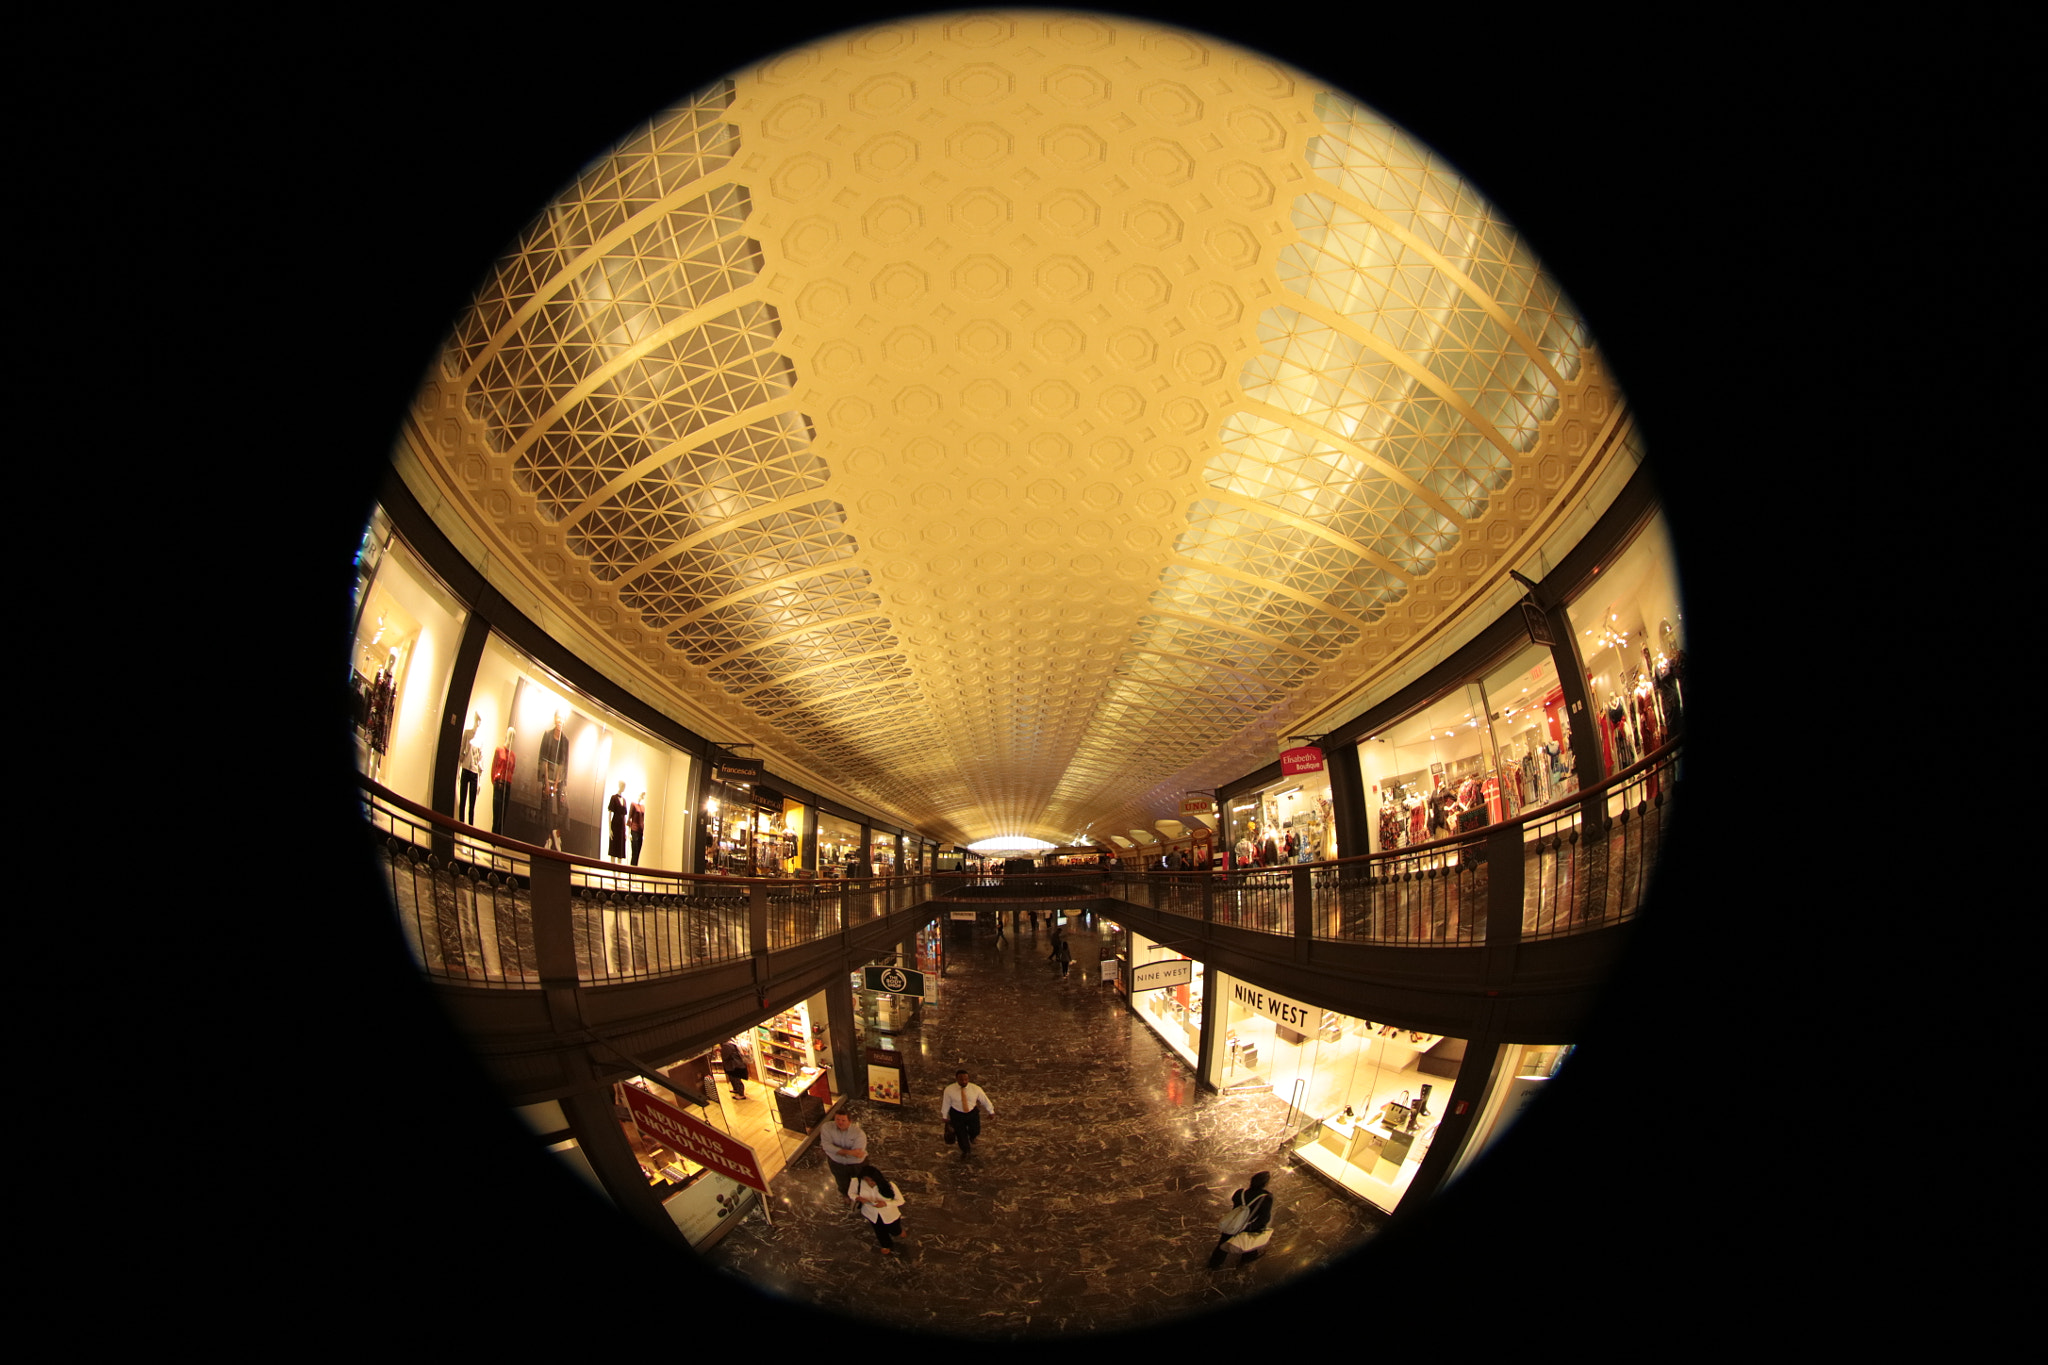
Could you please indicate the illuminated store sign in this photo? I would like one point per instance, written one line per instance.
(1153, 975)
(1294, 762)
(1278, 1008)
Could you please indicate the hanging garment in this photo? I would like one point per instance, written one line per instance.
(383, 697)
(1494, 811)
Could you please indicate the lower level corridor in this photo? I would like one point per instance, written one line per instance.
(1090, 1202)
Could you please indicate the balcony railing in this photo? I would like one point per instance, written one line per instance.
(483, 910)
(1576, 865)
(487, 911)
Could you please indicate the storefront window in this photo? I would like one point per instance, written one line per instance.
(1287, 821)
(838, 845)
(1532, 763)
(765, 830)
(407, 632)
(769, 1087)
(1367, 1093)
(1174, 1010)
(552, 761)
(1424, 776)
(1629, 629)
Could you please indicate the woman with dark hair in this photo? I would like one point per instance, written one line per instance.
(1249, 1234)
(881, 1203)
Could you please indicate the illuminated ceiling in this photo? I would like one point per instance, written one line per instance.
(1009, 421)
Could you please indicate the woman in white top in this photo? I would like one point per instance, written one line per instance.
(881, 1203)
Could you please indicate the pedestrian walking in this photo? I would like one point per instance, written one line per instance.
(881, 1203)
(735, 1067)
(846, 1150)
(961, 1111)
(1248, 1226)
(1062, 955)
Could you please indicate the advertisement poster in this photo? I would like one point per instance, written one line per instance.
(699, 1208)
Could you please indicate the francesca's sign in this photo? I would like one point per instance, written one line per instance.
(1294, 762)
(736, 770)
(699, 1141)
(1278, 1008)
(1153, 975)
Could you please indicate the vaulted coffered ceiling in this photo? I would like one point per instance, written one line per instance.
(1010, 420)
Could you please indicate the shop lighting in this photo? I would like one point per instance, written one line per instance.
(1291, 791)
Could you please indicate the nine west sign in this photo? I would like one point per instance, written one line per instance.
(1278, 1008)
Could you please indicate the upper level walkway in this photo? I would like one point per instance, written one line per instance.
(1529, 906)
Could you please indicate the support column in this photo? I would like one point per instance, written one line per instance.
(594, 1121)
(700, 789)
(1469, 1091)
(454, 704)
(1347, 801)
(843, 1029)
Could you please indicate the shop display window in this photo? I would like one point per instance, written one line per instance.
(781, 1095)
(1289, 821)
(838, 845)
(1172, 1012)
(552, 761)
(1367, 1093)
(407, 630)
(1629, 628)
(1488, 751)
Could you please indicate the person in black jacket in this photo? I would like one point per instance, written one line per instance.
(1257, 1229)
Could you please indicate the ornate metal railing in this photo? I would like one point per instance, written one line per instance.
(1578, 864)
(466, 899)
(482, 910)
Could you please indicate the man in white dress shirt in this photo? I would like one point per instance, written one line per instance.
(962, 1108)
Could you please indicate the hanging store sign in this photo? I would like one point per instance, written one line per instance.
(1198, 805)
(1278, 1008)
(1294, 762)
(662, 1122)
(1538, 624)
(736, 770)
(1172, 972)
(893, 981)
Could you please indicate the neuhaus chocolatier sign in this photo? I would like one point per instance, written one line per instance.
(699, 1141)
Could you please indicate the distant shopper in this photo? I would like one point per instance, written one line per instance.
(1062, 955)
(735, 1067)
(881, 1203)
(845, 1147)
(961, 1110)
(1248, 1232)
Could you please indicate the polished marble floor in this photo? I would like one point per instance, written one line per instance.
(1089, 1203)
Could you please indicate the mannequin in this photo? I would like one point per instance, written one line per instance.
(615, 851)
(556, 803)
(383, 701)
(636, 825)
(471, 762)
(554, 752)
(554, 757)
(1439, 801)
(502, 764)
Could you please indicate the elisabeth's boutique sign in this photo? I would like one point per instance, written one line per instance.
(1291, 1013)
(1294, 762)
